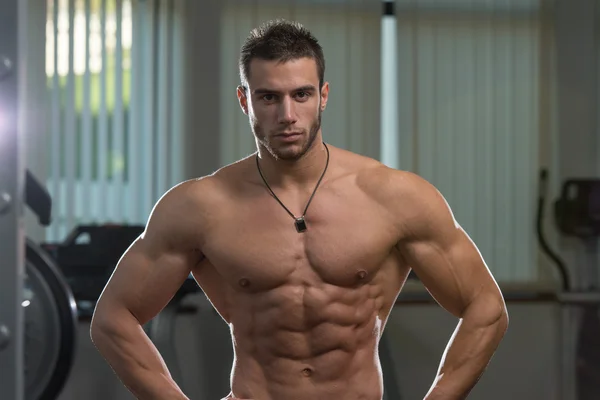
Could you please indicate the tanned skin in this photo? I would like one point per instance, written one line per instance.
(306, 310)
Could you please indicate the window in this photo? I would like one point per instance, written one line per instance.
(113, 71)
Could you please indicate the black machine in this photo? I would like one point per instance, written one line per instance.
(88, 256)
(62, 285)
(577, 215)
(577, 211)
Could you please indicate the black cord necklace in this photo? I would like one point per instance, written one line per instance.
(299, 222)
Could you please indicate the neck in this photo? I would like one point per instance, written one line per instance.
(299, 173)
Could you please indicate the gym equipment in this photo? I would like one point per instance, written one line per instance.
(37, 314)
(50, 326)
(50, 310)
(562, 269)
(577, 211)
(577, 215)
(87, 258)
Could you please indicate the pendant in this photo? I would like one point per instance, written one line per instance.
(300, 224)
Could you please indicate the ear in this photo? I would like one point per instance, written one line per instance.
(242, 99)
(324, 95)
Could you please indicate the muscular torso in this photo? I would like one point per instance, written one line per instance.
(306, 310)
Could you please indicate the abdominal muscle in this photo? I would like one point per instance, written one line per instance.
(307, 342)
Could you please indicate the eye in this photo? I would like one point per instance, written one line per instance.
(268, 97)
(302, 95)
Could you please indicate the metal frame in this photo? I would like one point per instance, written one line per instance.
(12, 177)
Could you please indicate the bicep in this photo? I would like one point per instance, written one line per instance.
(155, 266)
(451, 269)
(441, 253)
(145, 280)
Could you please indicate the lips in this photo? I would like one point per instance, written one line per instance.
(287, 134)
(289, 137)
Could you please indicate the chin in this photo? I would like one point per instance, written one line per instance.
(289, 152)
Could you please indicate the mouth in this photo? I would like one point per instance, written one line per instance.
(288, 136)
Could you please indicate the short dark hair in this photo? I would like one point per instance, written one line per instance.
(280, 40)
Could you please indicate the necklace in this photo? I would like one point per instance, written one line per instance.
(299, 222)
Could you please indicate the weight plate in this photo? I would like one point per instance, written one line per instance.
(50, 326)
(42, 332)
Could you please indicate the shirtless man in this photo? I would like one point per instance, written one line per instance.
(306, 292)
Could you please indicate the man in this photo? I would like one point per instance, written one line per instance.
(302, 248)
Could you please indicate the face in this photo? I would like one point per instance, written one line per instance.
(284, 105)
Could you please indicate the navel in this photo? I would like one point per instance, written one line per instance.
(362, 274)
(307, 372)
(244, 282)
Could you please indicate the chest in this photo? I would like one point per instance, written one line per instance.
(256, 245)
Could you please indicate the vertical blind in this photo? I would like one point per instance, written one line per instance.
(113, 69)
(349, 32)
(469, 118)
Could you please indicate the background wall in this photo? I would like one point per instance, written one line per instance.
(557, 122)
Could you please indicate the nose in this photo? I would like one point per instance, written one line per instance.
(287, 113)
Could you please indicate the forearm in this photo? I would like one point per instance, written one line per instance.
(469, 351)
(135, 360)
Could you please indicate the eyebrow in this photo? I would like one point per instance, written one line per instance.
(305, 88)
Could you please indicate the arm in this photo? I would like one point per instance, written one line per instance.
(451, 268)
(144, 281)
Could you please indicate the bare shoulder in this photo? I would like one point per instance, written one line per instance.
(411, 201)
(347, 164)
(178, 216)
(198, 200)
(201, 194)
(390, 187)
(187, 196)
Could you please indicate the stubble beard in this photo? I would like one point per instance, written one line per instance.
(286, 153)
